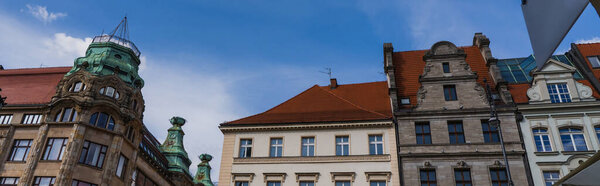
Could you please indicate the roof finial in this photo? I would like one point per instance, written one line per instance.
(121, 30)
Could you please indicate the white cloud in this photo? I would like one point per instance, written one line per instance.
(593, 40)
(41, 13)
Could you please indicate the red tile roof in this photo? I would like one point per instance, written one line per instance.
(590, 49)
(30, 85)
(351, 102)
(409, 66)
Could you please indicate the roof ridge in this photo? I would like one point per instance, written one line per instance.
(359, 107)
(364, 83)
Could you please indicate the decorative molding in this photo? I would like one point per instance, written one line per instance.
(304, 126)
(534, 93)
(378, 176)
(313, 159)
(462, 164)
(343, 176)
(307, 176)
(274, 177)
(421, 94)
(242, 177)
(585, 92)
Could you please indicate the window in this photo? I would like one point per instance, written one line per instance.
(423, 133)
(20, 150)
(5, 118)
(82, 183)
(551, 177)
(66, 115)
(55, 147)
(462, 177)
(308, 146)
(377, 183)
(559, 93)
(307, 183)
(276, 147)
(273, 183)
(31, 119)
(44, 181)
(456, 132)
(245, 148)
(542, 141)
(499, 177)
(428, 177)
(597, 128)
(9, 181)
(375, 144)
(405, 101)
(143, 180)
(446, 67)
(594, 61)
(110, 92)
(342, 183)
(92, 154)
(450, 92)
(77, 86)
(243, 183)
(572, 139)
(342, 146)
(121, 166)
(130, 134)
(490, 133)
(102, 120)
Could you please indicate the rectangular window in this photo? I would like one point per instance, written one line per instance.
(82, 183)
(308, 146)
(121, 166)
(499, 177)
(423, 133)
(31, 119)
(342, 146)
(307, 183)
(551, 177)
(92, 154)
(559, 93)
(450, 92)
(276, 147)
(20, 150)
(5, 119)
(377, 183)
(456, 132)
(375, 144)
(66, 115)
(273, 183)
(542, 140)
(130, 133)
(342, 183)
(241, 183)
(597, 128)
(55, 147)
(428, 177)
(245, 148)
(9, 181)
(44, 181)
(405, 101)
(594, 61)
(572, 139)
(143, 180)
(490, 133)
(446, 67)
(462, 177)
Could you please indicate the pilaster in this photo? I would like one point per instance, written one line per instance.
(34, 156)
(110, 163)
(71, 155)
(5, 140)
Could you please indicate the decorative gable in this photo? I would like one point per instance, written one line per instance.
(555, 84)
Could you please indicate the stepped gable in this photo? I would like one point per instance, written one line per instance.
(28, 86)
(351, 102)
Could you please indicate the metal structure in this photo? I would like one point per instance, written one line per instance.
(495, 122)
(120, 35)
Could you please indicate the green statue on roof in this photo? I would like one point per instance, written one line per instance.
(202, 177)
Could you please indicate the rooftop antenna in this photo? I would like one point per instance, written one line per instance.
(121, 31)
(328, 72)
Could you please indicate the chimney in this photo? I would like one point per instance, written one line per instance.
(1, 67)
(333, 83)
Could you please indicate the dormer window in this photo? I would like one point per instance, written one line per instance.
(559, 93)
(446, 67)
(102, 120)
(595, 61)
(77, 86)
(110, 92)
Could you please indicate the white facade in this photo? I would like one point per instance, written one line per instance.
(558, 136)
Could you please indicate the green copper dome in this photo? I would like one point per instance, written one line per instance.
(173, 148)
(108, 55)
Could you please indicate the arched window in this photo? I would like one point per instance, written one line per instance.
(102, 120)
(572, 139)
(110, 92)
(67, 114)
(77, 86)
(542, 140)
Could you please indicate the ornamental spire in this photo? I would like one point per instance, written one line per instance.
(203, 173)
(173, 148)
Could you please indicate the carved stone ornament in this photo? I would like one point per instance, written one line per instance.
(584, 91)
(421, 94)
(461, 164)
(497, 163)
(481, 93)
(427, 69)
(427, 164)
(534, 93)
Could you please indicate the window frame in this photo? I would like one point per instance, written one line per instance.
(113, 92)
(273, 183)
(423, 135)
(589, 58)
(109, 124)
(74, 87)
(456, 134)
(463, 181)
(278, 147)
(497, 172)
(38, 180)
(5, 119)
(550, 179)
(241, 183)
(571, 134)
(16, 146)
(343, 182)
(306, 183)
(122, 167)
(246, 147)
(77, 182)
(558, 87)
(31, 119)
(72, 116)
(538, 136)
(489, 132)
(307, 145)
(378, 183)
(48, 149)
(342, 144)
(446, 67)
(428, 182)
(4, 181)
(450, 93)
(376, 144)
(83, 156)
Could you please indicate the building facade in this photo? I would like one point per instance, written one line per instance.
(332, 135)
(83, 125)
(441, 108)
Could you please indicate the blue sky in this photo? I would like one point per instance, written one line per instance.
(214, 61)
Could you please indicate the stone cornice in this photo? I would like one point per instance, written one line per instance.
(559, 106)
(313, 159)
(304, 126)
(441, 155)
